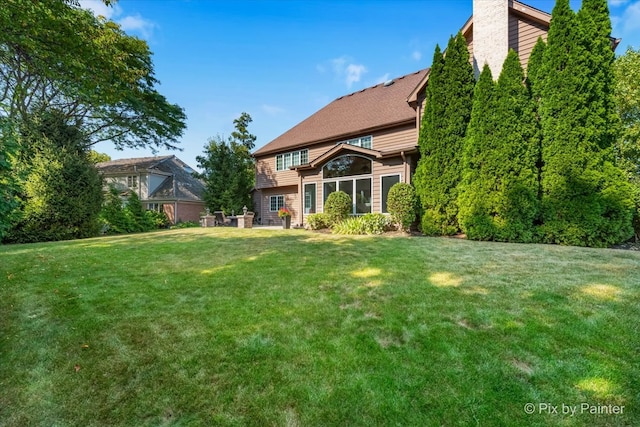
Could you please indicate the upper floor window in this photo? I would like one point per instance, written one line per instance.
(294, 158)
(132, 181)
(364, 142)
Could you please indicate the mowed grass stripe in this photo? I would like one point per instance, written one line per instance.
(274, 327)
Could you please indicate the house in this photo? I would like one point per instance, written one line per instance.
(364, 142)
(164, 183)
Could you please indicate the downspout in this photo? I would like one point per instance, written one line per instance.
(404, 163)
(175, 203)
(302, 196)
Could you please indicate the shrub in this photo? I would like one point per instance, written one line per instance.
(401, 204)
(318, 221)
(371, 223)
(338, 206)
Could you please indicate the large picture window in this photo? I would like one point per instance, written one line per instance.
(347, 166)
(386, 182)
(345, 173)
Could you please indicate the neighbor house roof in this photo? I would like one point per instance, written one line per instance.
(131, 165)
(179, 182)
(377, 107)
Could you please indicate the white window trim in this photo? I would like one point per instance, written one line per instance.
(352, 178)
(277, 208)
(291, 155)
(359, 140)
(381, 194)
(315, 191)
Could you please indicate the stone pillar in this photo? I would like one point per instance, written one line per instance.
(490, 35)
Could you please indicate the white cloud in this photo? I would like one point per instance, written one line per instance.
(100, 9)
(272, 110)
(616, 3)
(354, 71)
(631, 18)
(137, 24)
(416, 55)
(128, 23)
(344, 68)
(382, 79)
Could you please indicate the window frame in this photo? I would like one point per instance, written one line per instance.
(399, 175)
(358, 142)
(278, 206)
(315, 196)
(284, 161)
(132, 181)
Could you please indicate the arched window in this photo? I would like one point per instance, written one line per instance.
(345, 173)
(347, 165)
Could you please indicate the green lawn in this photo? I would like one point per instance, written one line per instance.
(273, 327)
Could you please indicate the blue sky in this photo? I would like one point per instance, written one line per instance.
(281, 61)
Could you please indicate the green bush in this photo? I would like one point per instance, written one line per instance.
(338, 206)
(371, 223)
(318, 221)
(158, 220)
(401, 204)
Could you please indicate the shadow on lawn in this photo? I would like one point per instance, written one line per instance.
(317, 318)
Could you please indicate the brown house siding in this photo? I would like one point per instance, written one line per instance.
(523, 35)
(383, 140)
(291, 201)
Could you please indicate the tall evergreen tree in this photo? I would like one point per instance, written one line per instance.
(586, 200)
(474, 213)
(534, 81)
(499, 199)
(62, 190)
(442, 142)
(515, 155)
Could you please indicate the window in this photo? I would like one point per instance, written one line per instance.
(309, 198)
(344, 173)
(364, 142)
(386, 182)
(158, 207)
(275, 203)
(132, 181)
(346, 166)
(294, 158)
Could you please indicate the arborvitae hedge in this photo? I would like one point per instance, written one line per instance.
(447, 113)
(500, 184)
(474, 214)
(586, 200)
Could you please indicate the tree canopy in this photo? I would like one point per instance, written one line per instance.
(53, 54)
(228, 169)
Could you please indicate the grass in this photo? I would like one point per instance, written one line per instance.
(272, 327)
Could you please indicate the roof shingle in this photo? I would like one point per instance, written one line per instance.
(379, 106)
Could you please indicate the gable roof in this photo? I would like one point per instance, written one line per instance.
(377, 107)
(179, 184)
(137, 164)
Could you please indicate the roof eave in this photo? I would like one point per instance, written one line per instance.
(340, 137)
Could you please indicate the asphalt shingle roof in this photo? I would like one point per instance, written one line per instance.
(379, 106)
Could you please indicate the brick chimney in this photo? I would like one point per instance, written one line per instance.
(490, 35)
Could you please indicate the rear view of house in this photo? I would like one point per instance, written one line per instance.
(364, 142)
(165, 184)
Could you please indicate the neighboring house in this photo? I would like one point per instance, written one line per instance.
(165, 184)
(365, 142)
